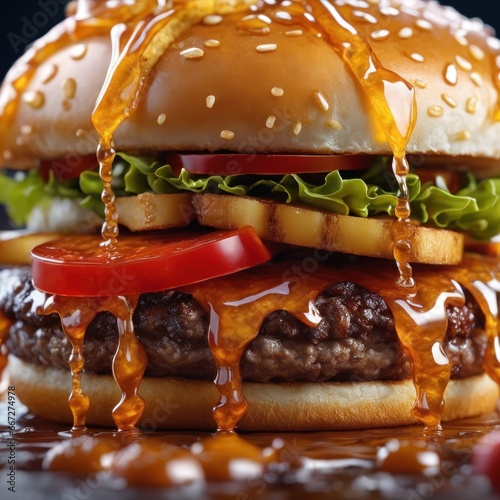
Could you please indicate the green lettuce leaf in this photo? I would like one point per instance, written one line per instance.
(474, 209)
(21, 193)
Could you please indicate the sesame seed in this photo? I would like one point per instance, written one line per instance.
(270, 121)
(309, 17)
(266, 47)
(389, 11)
(493, 43)
(321, 101)
(460, 37)
(210, 101)
(420, 83)
(416, 57)
(261, 17)
(255, 24)
(435, 111)
(463, 63)
(449, 100)
(423, 24)
(380, 34)
(294, 33)
(477, 52)
(192, 53)
(358, 3)
(463, 135)
(69, 87)
(227, 134)
(476, 78)
(212, 19)
(26, 129)
(471, 104)
(365, 16)
(161, 119)
(406, 32)
(283, 15)
(277, 91)
(334, 124)
(34, 99)
(80, 133)
(211, 43)
(297, 128)
(451, 74)
(49, 73)
(78, 51)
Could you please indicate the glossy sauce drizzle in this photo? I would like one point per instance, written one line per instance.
(91, 18)
(391, 97)
(483, 282)
(132, 62)
(384, 89)
(129, 361)
(236, 316)
(143, 31)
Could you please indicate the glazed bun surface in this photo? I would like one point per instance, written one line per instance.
(223, 87)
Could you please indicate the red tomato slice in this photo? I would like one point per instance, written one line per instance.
(67, 168)
(82, 266)
(262, 164)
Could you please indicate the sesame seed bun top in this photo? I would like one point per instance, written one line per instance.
(256, 82)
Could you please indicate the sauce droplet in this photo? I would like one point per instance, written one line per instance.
(226, 456)
(155, 464)
(406, 457)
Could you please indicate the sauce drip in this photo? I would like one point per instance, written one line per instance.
(483, 282)
(392, 101)
(4, 332)
(129, 362)
(92, 18)
(421, 326)
(140, 33)
(127, 78)
(238, 304)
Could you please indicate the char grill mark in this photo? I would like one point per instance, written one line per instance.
(356, 339)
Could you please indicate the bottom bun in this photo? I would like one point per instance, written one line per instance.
(174, 403)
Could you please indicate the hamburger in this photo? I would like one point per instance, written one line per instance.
(354, 145)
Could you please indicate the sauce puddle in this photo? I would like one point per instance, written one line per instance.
(355, 464)
(319, 463)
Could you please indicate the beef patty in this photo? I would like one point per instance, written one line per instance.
(355, 340)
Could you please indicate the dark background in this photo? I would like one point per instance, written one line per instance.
(23, 21)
